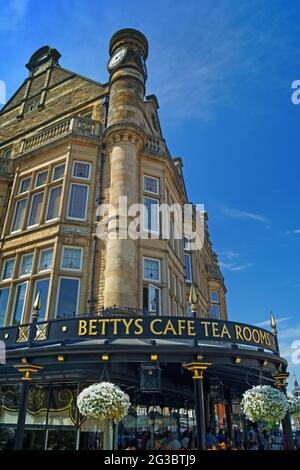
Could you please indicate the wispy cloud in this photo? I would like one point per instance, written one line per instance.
(235, 267)
(244, 215)
(230, 261)
(278, 320)
(295, 231)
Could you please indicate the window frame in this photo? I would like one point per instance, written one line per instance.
(47, 221)
(62, 258)
(190, 266)
(39, 262)
(7, 303)
(159, 303)
(17, 201)
(36, 280)
(33, 195)
(159, 269)
(21, 262)
(81, 177)
(158, 184)
(11, 321)
(53, 170)
(20, 185)
(147, 230)
(3, 269)
(86, 202)
(36, 178)
(58, 291)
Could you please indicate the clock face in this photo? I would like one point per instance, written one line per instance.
(117, 58)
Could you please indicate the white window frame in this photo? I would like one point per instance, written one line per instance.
(159, 266)
(86, 202)
(159, 303)
(62, 258)
(8, 299)
(3, 269)
(14, 215)
(30, 210)
(58, 290)
(21, 262)
(153, 178)
(36, 178)
(47, 221)
(147, 230)
(81, 177)
(53, 170)
(20, 185)
(38, 279)
(15, 302)
(39, 262)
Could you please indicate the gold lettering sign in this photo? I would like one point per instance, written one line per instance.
(174, 327)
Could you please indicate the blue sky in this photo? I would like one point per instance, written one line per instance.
(222, 72)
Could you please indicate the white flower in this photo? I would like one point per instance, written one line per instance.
(104, 401)
(265, 403)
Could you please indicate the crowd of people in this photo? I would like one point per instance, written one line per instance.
(252, 439)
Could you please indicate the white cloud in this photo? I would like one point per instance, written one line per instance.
(243, 215)
(234, 266)
(278, 320)
(13, 15)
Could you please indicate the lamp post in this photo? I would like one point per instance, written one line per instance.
(281, 384)
(198, 367)
(26, 369)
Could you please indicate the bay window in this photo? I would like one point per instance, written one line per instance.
(151, 184)
(41, 178)
(78, 197)
(24, 185)
(58, 172)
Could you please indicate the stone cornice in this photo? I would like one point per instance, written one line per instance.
(123, 132)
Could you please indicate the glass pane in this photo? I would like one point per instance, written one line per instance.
(46, 259)
(151, 269)
(34, 439)
(67, 297)
(35, 211)
(8, 268)
(26, 265)
(41, 178)
(71, 258)
(54, 203)
(77, 204)
(214, 297)
(42, 285)
(215, 311)
(151, 215)
(61, 440)
(58, 172)
(19, 215)
(19, 303)
(81, 170)
(154, 294)
(188, 271)
(150, 184)
(24, 185)
(4, 293)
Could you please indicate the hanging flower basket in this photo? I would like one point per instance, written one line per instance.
(265, 403)
(103, 403)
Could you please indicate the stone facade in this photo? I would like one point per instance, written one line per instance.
(68, 143)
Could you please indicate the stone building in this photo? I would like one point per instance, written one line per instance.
(75, 308)
(68, 144)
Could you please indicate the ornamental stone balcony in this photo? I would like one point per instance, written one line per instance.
(77, 125)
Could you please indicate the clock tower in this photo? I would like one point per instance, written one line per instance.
(124, 138)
